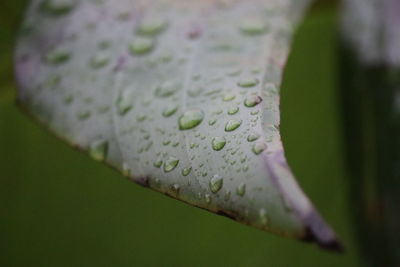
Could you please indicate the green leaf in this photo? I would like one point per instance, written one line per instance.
(180, 96)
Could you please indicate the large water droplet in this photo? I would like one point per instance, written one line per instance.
(252, 100)
(216, 183)
(141, 46)
(191, 119)
(170, 164)
(259, 147)
(218, 143)
(98, 149)
(232, 125)
(241, 189)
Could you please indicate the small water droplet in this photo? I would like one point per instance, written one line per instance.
(259, 147)
(175, 188)
(168, 88)
(84, 115)
(241, 189)
(207, 198)
(186, 171)
(124, 103)
(98, 149)
(53, 81)
(216, 183)
(263, 216)
(253, 137)
(141, 117)
(218, 143)
(57, 57)
(68, 99)
(166, 142)
(211, 122)
(227, 195)
(158, 163)
(57, 7)
(232, 125)
(228, 97)
(248, 82)
(191, 119)
(141, 46)
(170, 164)
(252, 26)
(252, 101)
(126, 170)
(99, 61)
(152, 26)
(233, 110)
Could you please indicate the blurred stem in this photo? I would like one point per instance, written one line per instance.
(370, 86)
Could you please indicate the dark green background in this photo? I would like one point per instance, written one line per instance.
(60, 208)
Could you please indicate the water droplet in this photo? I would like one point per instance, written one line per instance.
(241, 189)
(99, 61)
(170, 164)
(57, 57)
(175, 188)
(252, 100)
(166, 142)
(158, 163)
(212, 121)
(191, 119)
(253, 137)
(68, 99)
(141, 117)
(233, 110)
(168, 88)
(124, 102)
(216, 183)
(126, 170)
(249, 82)
(98, 149)
(57, 7)
(218, 143)
(207, 198)
(152, 26)
(232, 125)
(259, 147)
(53, 80)
(252, 26)
(84, 115)
(263, 217)
(227, 195)
(186, 171)
(141, 46)
(228, 97)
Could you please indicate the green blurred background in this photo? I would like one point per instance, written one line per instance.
(60, 208)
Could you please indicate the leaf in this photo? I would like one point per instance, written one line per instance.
(180, 96)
